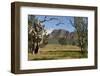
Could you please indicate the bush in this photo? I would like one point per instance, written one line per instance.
(62, 41)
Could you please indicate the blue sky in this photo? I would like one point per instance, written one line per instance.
(51, 25)
(64, 20)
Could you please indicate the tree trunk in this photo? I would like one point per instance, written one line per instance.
(82, 51)
(36, 49)
(33, 48)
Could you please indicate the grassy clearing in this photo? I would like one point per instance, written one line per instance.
(50, 52)
(58, 47)
(48, 55)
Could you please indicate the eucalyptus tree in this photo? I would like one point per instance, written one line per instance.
(36, 33)
(81, 28)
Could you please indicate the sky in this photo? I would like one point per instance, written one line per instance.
(53, 24)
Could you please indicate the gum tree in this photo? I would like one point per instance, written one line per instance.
(36, 33)
(80, 24)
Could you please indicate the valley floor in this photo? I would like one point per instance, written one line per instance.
(56, 51)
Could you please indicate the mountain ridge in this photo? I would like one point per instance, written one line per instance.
(61, 33)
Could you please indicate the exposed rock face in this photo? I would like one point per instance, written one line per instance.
(57, 34)
(61, 33)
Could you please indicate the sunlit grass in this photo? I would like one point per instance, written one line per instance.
(48, 55)
(56, 51)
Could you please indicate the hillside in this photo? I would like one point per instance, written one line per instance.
(61, 33)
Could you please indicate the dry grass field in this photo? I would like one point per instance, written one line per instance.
(57, 51)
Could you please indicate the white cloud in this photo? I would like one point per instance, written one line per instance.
(49, 31)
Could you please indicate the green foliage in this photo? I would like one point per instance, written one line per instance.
(31, 19)
(81, 24)
(36, 33)
(62, 41)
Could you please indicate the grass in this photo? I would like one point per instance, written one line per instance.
(51, 52)
(58, 47)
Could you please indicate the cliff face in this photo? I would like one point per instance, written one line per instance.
(55, 35)
(61, 33)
